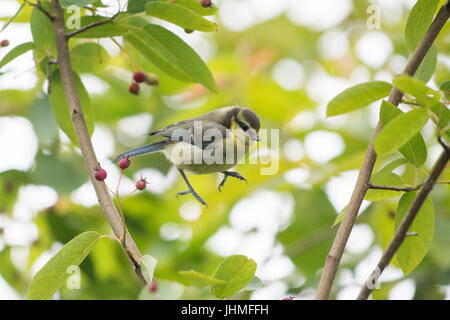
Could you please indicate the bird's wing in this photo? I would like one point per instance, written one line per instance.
(167, 131)
(188, 129)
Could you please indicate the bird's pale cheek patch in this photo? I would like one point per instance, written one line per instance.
(234, 126)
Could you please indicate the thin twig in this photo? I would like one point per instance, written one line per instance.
(406, 223)
(40, 8)
(393, 188)
(87, 150)
(337, 249)
(405, 189)
(91, 25)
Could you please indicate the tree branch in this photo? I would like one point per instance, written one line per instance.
(361, 187)
(402, 230)
(91, 25)
(84, 140)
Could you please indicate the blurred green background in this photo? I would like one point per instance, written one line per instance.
(285, 60)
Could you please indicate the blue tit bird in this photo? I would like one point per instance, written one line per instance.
(210, 143)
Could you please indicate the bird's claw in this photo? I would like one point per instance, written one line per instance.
(222, 183)
(195, 194)
(231, 174)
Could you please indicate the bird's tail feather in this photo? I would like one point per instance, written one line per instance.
(149, 148)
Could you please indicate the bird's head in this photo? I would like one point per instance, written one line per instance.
(248, 121)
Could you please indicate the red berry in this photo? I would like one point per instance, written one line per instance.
(124, 163)
(100, 174)
(206, 3)
(288, 298)
(153, 287)
(141, 183)
(134, 88)
(4, 43)
(139, 76)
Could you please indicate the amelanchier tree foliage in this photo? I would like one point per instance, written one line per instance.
(410, 222)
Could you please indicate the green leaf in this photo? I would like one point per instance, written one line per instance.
(88, 57)
(425, 96)
(136, 6)
(80, 3)
(399, 131)
(42, 32)
(13, 17)
(445, 87)
(10, 182)
(148, 265)
(43, 120)
(340, 217)
(442, 113)
(99, 4)
(237, 271)
(201, 277)
(15, 52)
(358, 97)
(414, 248)
(168, 52)
(254, 284)
(54, 273)
(415, 149)
(392, 165)
(107, 30)
(61, 110)
(428, 65)
(50, 168)
(419, 21)
(196, 6)
(179, 15)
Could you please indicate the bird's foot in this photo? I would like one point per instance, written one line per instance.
(234, 174)
(195, 194)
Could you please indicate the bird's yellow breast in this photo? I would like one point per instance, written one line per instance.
(216, 157)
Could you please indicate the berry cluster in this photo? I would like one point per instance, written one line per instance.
(142, 77)
(100, 174)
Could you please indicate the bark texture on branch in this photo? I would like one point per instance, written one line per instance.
(361, 187)
(79, 123)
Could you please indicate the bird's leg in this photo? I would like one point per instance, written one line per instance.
(191, 190)
(231, 174)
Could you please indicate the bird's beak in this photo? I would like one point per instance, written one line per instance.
(254, 136)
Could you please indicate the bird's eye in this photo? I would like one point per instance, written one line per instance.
(244, 126)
